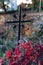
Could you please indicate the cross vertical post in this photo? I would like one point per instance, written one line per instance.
(19, 23)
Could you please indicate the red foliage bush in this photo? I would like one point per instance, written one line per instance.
(25, 53)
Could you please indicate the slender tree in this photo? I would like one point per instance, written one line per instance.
(2, 1)
(36, 4)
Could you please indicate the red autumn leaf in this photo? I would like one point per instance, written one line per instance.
(0, 61)
(17, 51)
(8, 53)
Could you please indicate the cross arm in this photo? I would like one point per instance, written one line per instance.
(10, 22)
